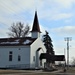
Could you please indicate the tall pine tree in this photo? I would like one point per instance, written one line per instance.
(48, 43)
(49, 48)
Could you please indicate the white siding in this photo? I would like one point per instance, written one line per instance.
(27, 53)
(37, 44)
(23, 51)
(35, 34)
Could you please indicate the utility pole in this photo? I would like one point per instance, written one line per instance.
(68, 39)
(65, 59)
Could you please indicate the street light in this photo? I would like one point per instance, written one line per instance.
(68, 39)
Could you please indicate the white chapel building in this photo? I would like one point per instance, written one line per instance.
(23, 53)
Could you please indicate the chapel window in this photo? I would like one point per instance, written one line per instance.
(19, 58)
(10, 55)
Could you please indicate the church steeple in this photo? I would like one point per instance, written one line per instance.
(35, 29)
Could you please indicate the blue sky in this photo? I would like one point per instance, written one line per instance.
(55, 16)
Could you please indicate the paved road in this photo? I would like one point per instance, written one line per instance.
(35, 74)
(65, 74)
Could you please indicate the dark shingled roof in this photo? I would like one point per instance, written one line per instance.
(16, 41)
(52, 57)
(35, 24)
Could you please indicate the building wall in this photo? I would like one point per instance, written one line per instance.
(35, 34)
(34, 47)
(29, 59)
(22, 51)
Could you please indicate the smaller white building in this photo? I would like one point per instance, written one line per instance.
(23, 53)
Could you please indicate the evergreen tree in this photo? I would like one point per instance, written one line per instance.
(48, 43)
(49, 48)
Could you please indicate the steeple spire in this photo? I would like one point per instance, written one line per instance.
(35, 27)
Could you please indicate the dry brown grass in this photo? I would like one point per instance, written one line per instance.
(11, 71)
(29, 72)
(71, 70)
(24, 72)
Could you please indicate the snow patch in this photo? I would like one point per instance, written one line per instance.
(10, 43)
(27, 42)
(17, 40)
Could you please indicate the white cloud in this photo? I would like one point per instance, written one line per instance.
(55, 15)
(56, 9)
(60, 16)
(15, 6)
(65, 30)
(65, 3)
(57, 3)
(10, 10)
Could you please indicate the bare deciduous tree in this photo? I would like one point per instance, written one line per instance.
(18, 30)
